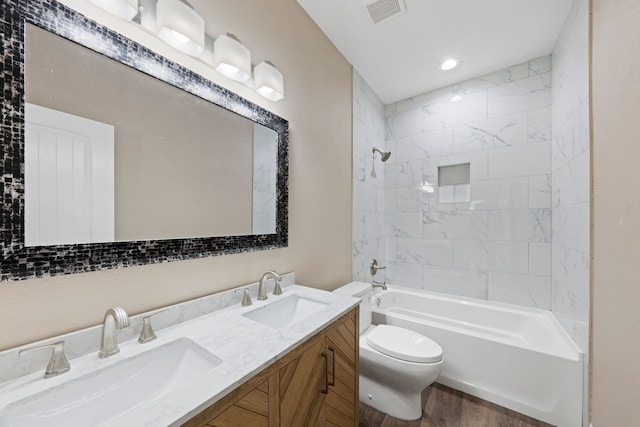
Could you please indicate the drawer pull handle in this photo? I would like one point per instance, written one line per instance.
(326, 374)
(333, 367)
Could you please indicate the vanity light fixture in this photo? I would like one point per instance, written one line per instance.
(125, 9)
(449, 64)
(269, 81)
(180, 26)
(231, 58)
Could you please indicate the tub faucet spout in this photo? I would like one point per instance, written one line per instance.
(382, 285)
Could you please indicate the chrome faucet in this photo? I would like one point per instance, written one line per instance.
(262, 289)
(382, 285)
(115, 318)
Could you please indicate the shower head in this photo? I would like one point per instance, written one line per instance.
(384, 155)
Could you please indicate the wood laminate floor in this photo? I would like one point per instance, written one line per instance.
(446, 407)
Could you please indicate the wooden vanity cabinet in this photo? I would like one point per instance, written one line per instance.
(341, 407)
(302, 385)
(316, 384)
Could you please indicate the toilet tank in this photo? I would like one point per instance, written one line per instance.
(365, 292)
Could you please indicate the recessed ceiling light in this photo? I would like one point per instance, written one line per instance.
(456, 98)
(449, 64)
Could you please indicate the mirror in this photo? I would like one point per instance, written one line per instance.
(133, 177)
(172, 165)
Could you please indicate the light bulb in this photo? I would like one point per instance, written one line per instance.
(269, 81)
(231, 58)
(180, 37)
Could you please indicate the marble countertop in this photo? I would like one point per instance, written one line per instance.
(245, 348)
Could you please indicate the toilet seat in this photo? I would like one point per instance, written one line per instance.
(404, 344)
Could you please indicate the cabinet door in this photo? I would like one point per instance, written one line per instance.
(342, 352)
(302, 381)
(252, 410)
(251, 405)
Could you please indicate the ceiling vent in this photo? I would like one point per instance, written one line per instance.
(381, 10)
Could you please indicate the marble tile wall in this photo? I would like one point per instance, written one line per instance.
(570, 182)
(498, 245)
(368, 179)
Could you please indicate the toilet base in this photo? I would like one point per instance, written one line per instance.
(392, 385)
(403, 405)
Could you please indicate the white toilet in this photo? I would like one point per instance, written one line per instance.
(396, 364)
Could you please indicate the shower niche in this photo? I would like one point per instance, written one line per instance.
(454, 184)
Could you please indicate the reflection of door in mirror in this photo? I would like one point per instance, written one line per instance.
(183, 165)
(69, 178)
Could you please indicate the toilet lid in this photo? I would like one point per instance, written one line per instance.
(404, 344)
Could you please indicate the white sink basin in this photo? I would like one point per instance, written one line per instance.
(286, 311)
(101, 397)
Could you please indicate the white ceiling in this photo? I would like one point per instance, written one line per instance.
(401, 57)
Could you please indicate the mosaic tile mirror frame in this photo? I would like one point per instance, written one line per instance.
(23, 262)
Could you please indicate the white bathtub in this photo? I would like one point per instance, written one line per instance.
(517, 357)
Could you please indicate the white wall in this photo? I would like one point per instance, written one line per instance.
(368, 190)
(570, 179)
(498, 245)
